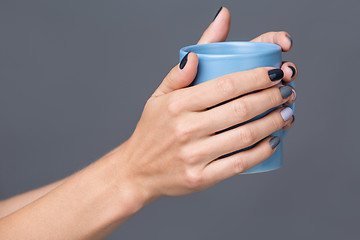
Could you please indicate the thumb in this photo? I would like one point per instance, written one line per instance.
(219, 29)
(180, 76)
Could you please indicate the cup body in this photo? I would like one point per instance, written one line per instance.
(217, 59)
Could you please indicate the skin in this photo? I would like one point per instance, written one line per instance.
(173, 151)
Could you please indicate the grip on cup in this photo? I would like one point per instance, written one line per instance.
(292, 106)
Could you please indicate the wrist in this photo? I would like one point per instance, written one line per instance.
(91, 203)
(131, 194)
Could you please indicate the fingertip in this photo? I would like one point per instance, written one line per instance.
(274, 141)
(219, 28)
(193, 57)
(187, 68)
(290, 71)
(226, 14)
(294, 91)
(287, 73)
(290, 124)
(183, 61)
(290, 40)
(190, 59)
(223, 14)
(284, 40)
(293, 71)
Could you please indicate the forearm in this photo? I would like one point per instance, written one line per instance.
(89, 205)
(12, 204)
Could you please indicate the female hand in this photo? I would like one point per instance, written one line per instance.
(173, 151)
(174, 148)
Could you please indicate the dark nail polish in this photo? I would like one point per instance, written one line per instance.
(293, 71)
(217, 13)
(276, 74)
(291, 42)
(293, 119)
(184, 61)
(274, 142)
(285, 91)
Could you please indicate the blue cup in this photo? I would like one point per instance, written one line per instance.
(217, 59)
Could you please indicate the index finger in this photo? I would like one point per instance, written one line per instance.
(283, 39)
(229, 86)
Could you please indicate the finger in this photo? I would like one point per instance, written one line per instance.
(180, 76)
(218, 90)
(281, 38)
(244, 108)
(218, 30)
(245, 135)
(290, 71)
(224, 168)
(292, 98)
(290, 124)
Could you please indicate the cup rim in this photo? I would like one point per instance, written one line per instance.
(266, 48)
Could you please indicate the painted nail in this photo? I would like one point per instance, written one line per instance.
(293, 119)
(286, 113)
(274, 142)
(218, 12)
(184, 61)
(285, 91)
(293, 71)
(276, 74)
(290, 39)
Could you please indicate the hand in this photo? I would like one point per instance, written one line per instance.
(174, 149)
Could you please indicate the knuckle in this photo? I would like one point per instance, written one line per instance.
(186, 130)
(182, 155)
(183, 132)
(193, 178)
(226, 85)
(277, 121)
(247, 135)
(260, 77)
(191, 155)
(240, 108)
(240, 165)
(274, 97)
(253, 75)
(174, 105)
(172, 108)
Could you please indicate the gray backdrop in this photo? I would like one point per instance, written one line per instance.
(75, 76)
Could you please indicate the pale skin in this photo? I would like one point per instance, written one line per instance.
(173, 151)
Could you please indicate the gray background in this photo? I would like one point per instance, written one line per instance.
(75, 76)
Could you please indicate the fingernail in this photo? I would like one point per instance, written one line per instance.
(285, 91)
(217, 13)
(286, 113)
(291, 42)
(276, 74)
(293, 119)
(293, 71)
(274, 142)
(184, 61)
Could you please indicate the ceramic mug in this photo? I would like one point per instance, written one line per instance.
(217, 59)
